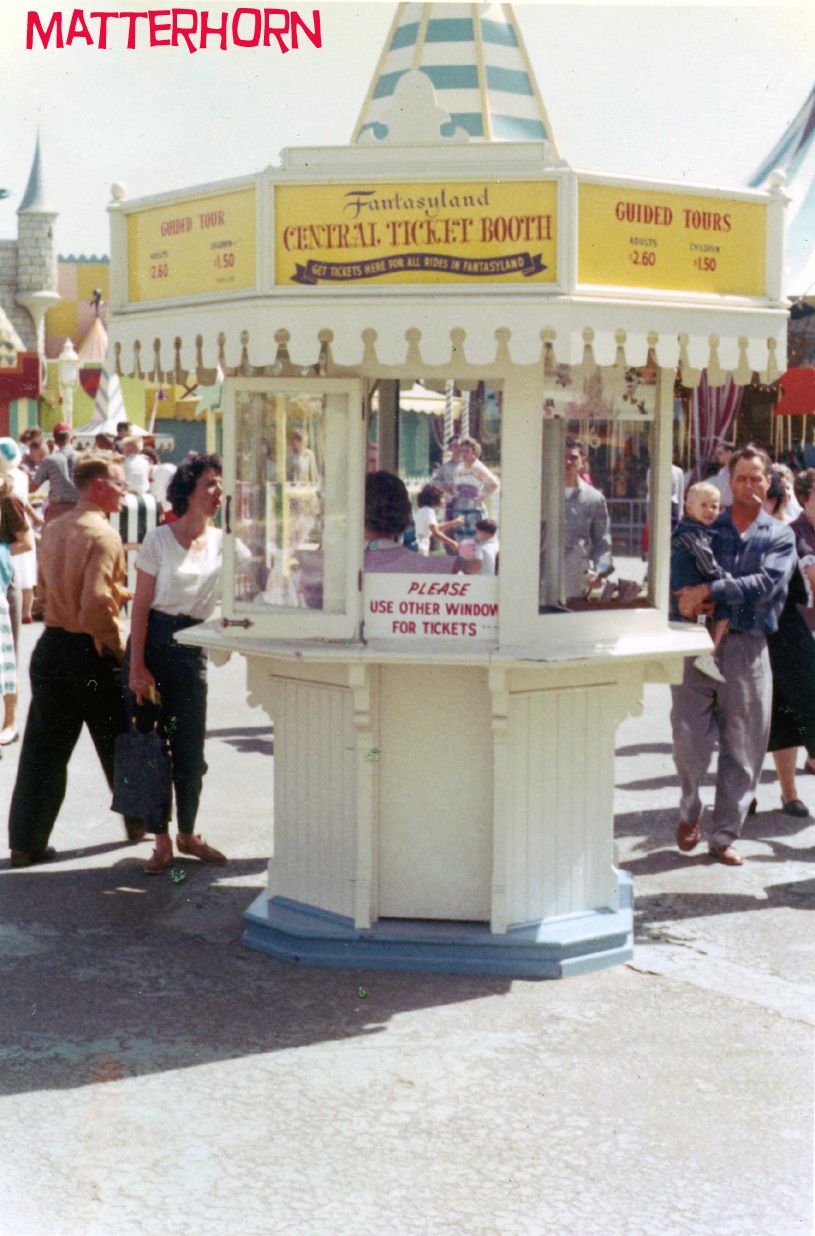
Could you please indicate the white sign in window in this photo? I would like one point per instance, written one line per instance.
(451, 609)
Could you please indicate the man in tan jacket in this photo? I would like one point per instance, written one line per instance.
(74, 679)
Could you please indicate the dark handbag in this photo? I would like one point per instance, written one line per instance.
(143, 775)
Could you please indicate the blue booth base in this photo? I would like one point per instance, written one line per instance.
(553, 948)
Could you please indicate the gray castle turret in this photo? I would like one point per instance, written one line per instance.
(28, 265)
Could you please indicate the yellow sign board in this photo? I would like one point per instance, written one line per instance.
(646, 238)
(193, 248)
(371, 233)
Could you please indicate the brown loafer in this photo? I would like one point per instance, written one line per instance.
(688, 836)
(158, 861)
(194, 846)
(727, 855)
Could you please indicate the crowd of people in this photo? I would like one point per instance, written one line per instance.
(742, 562)
(46, 462)
(83, 671)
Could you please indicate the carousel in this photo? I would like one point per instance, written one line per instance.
(444, 729)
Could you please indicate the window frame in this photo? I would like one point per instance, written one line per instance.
(279, 622)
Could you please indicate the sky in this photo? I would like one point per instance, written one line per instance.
(693, 93)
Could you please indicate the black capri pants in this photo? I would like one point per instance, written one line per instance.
(181, 681)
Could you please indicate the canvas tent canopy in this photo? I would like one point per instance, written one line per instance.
(109, 411)
(794, 156)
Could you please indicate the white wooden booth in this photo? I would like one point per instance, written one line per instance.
(443, 766)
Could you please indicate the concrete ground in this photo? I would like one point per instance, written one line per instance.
(157, 1078)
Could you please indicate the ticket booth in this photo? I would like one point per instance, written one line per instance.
(444, 739)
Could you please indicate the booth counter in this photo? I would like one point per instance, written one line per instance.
(444, 742)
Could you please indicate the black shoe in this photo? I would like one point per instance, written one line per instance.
(795, 807)
(753, 808)
(31, 858)
(136, 829)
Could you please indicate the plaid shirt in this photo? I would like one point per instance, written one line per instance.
(759, 563)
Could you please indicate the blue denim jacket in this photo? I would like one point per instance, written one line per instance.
(759, 563)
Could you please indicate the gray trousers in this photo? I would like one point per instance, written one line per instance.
(737, 713)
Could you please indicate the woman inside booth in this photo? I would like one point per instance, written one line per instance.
(387, 515)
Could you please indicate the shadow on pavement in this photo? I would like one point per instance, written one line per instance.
(667, 779)
(646, 748)
(111, 974)
(652, 912)
(656, 829)
(254, 738)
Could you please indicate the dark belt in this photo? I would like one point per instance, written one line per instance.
(172, 622)
(60, 635)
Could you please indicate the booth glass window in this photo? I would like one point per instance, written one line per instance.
(596, 495)
(445, 445)
(290, 517)
(432, 514)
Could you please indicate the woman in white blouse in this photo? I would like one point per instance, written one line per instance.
(472, 483)
(177, 586)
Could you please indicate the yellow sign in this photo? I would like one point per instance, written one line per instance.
(646, 238)
(416, 233)
(193, 248)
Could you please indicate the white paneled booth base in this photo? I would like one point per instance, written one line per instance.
(452, 817)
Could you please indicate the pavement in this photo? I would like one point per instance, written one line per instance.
(158, 1078)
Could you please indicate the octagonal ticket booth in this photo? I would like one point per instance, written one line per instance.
(444, 735)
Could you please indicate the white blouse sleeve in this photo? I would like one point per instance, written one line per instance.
(149, 558)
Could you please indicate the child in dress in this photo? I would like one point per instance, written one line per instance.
(426, 524)
(693, 562)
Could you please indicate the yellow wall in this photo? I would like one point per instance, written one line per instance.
(72, 317)
(132, 392)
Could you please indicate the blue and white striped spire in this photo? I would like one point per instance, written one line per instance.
(109, 406)
(475, 58)
(794, 155)
(108, 410)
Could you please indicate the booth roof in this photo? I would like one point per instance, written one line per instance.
(446, 337)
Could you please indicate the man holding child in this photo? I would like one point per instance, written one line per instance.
(757, 556)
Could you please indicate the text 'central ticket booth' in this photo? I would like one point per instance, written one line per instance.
(445, 716)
